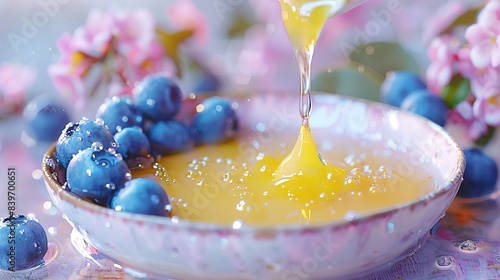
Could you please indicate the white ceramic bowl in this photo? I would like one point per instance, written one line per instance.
(351, 247)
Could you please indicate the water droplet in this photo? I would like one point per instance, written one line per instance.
(175, 219)
(37, 174)
(89, 172)
(97, 146)
(390, 227)
(226, 177)
(124, 119)
(47, 205)
(128, 176)
(118, 128)
(445, 262)
(237, 224)
(155, 199)
(110, 186)
(52, 231)
(119, 157)
(99, 121)
(468, 246)
(350, 215)
(80, 139)
(260, 127)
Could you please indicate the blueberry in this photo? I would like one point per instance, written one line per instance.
(22, 241)
(79, 136)
(96, 174)
(427, 105)
(215, 121)
(142, 196)
(168, 137)
(132, 142)
(481, 174)
(398, 85)
(45, 120)
(119, 113)
(158, 97)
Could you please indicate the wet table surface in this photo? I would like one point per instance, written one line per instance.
(465, 244)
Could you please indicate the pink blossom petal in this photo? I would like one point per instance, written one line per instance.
(480, 55)
(488, 109)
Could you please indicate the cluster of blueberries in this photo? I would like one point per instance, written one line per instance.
(406, 90)
(95, 156)
(98, 154)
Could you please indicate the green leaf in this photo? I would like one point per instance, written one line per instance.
(456, 91)
(467, 18)
(383, 57)
(483, 140)
(351, 79)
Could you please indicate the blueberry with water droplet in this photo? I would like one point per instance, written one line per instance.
(142, 196)
(480, 176)
(168, 137)
(398, 85)
(119, 113)
(79, 136)
(23, 243)
(216, 121)
(95, 175)
(45, 120)
(158, 97)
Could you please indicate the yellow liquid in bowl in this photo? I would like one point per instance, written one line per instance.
(220, 184)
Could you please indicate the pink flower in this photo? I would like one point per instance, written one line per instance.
(15, 79)
(186, 16)
(122, 43)
(443, 54)
(484, 37)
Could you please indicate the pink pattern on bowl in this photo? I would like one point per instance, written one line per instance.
(351, 247)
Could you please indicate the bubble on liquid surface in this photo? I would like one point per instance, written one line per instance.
(468, 246)
(445, 262)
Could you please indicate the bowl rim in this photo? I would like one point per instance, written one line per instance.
(442, 189)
